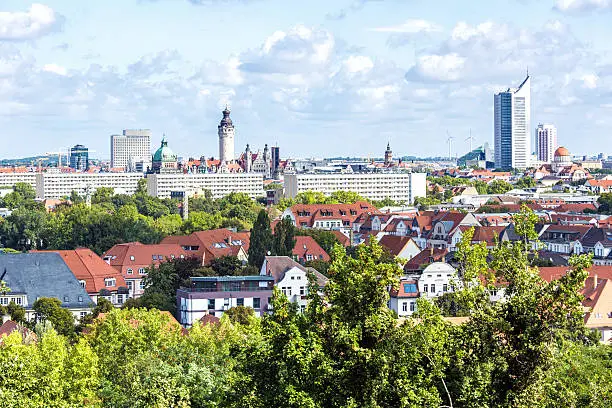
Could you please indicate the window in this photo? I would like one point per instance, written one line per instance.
(226, 301)
(293, 277)
(130, 285)
(410, 287)
(154, 257)
(425, 287)
(256, 303)
(302, 290)
(4, 301)
(445, 288)
(182, 256)
(404, 306)
(141, 271)
(433, 288)
(65, 299)
(80, 298)
(142, 285)
(132, 258)
(109, 282)
(18, 301)
(82, 282)
(130, 271)
(211, 304)
(412, 306)
(120, 299)
(82, 314)
(240, 302)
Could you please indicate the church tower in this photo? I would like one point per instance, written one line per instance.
(248, 160)
(388, 155)
(226, 138)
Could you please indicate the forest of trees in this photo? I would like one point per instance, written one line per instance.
(347, 349)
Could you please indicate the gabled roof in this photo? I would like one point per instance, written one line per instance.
(595, 235)
(395, 244)
(306, 245)
(425, 257)
(344, 240)
(277, 266)
(43, 275)
(89, 267)
(405, 289)
(487, 234)
(120, 256)
(550, 273)
(576, 208)
(306, 214)
(213, 243)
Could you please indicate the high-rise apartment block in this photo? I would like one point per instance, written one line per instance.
(79, 158)
(546, 142)
(133, 146)
(512, 120)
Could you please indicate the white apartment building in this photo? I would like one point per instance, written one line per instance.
(58, 185)
(134, 145)
(404, 187)
(219, 184)
(546, 142)
(10, 179)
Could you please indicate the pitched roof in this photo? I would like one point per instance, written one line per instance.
(213, 243)
(487, 234)
(134, 255)
(277, 266)
(550, 273)
(595, 235)
(394, 243)
(406, 289)
(576, 208)
(89, 267)
(425, 257)
(306, 214)
(306, 245)
(344, 240)
(43, 275)
(11, 326)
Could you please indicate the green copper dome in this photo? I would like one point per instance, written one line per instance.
(164, 153)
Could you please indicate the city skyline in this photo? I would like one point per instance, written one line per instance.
(319, 80)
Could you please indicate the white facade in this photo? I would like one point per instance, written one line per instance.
(226, 138)
(59, 185)
(134, 145)
(403, 187)
(294, 285)
(10, 179)
(435, 280)
(546, 142)
(219, 184)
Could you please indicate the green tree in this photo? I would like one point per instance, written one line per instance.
(344, 197)
(200, 221)
(241, 315)
(226, 265)
(284, 238)
(499, 187)
(51, 310)
(22, 230)
(326, 239)
(605, 203)
(17, 312)
(525, 182)
(260, 242)
(102, 195)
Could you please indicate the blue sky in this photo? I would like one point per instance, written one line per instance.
(320, 78)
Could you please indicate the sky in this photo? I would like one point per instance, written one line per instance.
(318, 78)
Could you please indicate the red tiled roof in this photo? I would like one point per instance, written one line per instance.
(209, 319)
(213, 243)
(401, 290)
(487, 234)
(550, 273)
(10, 326)
(395, 244)
(344, 240)
(89, 267)
(305, 245)
(134, 255)
(306, 214)
(425, 257)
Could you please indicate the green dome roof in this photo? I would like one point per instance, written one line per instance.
(164, 153)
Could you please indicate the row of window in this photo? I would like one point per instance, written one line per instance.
(405, 306)
(6, 300)
(287, 291)
(141, 271)
(432, 288)
(130, 285)
(239, 302)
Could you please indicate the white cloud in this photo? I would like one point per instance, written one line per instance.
(55, 69)
(37, 21)
(582, 5)
(411, 26)
(590, 81)
(358, 63)
(446, 67)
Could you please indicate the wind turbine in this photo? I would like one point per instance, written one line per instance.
(450, 145)
(470, 139)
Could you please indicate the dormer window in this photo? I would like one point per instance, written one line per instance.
(132, 257)
(82, 282)
(110, 282)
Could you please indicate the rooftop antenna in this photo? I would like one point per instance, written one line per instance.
(470, 139)
(450, 145)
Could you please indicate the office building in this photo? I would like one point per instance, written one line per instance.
(79, 158)
(226, 138)
(275, 160)
(219, 184)
(10, 178)
(512, 121)
(133, 146)
(402, 187)
(60, 185)
(546, 142)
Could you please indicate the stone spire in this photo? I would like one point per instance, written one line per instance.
(388, 155)
(226, 138)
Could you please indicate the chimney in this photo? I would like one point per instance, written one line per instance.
(595, 281)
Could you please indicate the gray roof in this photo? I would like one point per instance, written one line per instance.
(43, 275)
(277, 266)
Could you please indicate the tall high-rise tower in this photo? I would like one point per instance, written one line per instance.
(546, 142)
(134, 145)
(226, 138)
(512, 120)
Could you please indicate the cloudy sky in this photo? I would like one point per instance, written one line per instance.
(318, 77)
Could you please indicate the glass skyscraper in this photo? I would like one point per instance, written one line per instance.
(79, 158)
(512, 119)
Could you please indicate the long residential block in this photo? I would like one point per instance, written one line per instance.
(403, 187)
(219, 184)
(59, 185)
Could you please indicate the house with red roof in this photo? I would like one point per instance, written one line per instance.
(400, 246)
(132, 259)
(328, 216)
(212, 244)
(307, 249)
(343, 238)
(487, 234)
(403, 299)
(599, 186)
(424, 258)
(444, 225)
(97, 277)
